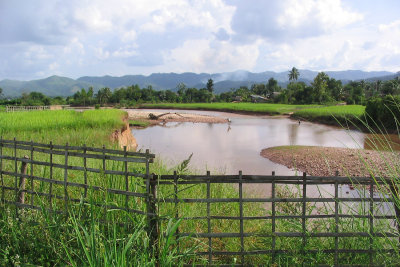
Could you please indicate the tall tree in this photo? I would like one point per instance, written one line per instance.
(335, 89)
(272, 85)
(378, 85)
(84, 96)
(181, 92)
(1, 92)
(103, 95)
(320, 86)
(293, 74)
(210, 85)
(90, 94)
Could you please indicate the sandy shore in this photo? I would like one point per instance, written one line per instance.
(164, 117)
(325, 161)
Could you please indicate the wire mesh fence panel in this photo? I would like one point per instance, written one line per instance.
(295, 220)
(57, 176)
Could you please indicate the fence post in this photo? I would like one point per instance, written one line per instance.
(154, 231)
(66, 179)
(151, 191)
(209, 219)
(1, 170)
(176, 208)
(336, 257)
(241, 216)
(273, 217)
(396, 203)
(31, 173)
(371, 222)
(21, 191)
(51, 176)
(303, 220)
(16, 184)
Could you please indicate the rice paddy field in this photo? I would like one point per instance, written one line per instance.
(92, 127)
(257, 108)
(331, 114)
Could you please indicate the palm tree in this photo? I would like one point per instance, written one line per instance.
(293, 74)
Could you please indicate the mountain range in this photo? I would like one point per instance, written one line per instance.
(64, 86)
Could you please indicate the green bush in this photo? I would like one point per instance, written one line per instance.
(383, 112)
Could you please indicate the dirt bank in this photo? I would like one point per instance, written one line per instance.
(325, 161)
(163, 117)
(124, 137)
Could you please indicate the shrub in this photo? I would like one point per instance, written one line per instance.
(383, 112)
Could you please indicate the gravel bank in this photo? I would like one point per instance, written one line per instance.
(325, 161)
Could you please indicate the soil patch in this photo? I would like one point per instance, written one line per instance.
(325, 161)
(164, 117)
(124, 137)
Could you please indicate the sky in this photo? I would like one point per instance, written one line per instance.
(74, 38)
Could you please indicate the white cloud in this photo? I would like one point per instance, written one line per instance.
(180, 14)
(79, 37)
(93, 19)
(281, 20)
(212, 56)
(327, 14)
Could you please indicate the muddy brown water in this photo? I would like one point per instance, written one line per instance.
(230, 147)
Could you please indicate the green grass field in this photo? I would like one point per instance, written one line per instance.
(332, 114)
(137, 123)
(92, 127)
(258, 108)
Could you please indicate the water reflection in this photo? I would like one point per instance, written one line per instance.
(388, 142)
(293, 130)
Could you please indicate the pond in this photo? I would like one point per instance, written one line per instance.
(228, 148)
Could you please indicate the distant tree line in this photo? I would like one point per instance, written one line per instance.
(322, 90)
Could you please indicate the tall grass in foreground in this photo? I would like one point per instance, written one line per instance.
(44, 239)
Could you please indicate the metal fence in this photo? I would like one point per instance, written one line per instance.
(292, 214)
(232, 219)
(49, 176)
(26, 108)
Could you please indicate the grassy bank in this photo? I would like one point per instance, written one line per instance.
(251, 108)
(331, 114)
(138, 123)
(92, 127)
